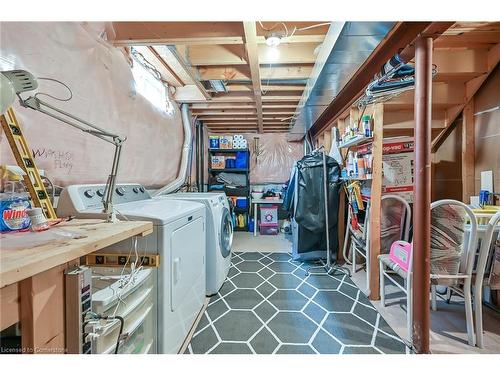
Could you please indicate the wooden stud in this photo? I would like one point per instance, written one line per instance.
(42, 311)
(375, 203)
(468, 152)
(353, 116)
(172, 58)
(471, 87)
(243, 73)
(9, 306)
(173, 33)
(327, 140)
(253, 61)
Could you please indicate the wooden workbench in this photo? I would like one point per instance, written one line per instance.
(32, 279)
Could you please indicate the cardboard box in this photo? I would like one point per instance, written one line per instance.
(218, 162)
(226, 142)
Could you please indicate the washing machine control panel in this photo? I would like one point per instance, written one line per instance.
(92, 195)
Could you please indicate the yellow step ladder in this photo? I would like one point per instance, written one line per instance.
(22, 153)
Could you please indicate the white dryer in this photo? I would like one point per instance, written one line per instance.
(178, 236)
(219, 235)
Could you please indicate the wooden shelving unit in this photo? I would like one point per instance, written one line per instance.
(375, 189)
(356, 141)
(230, 170)
(238, 191)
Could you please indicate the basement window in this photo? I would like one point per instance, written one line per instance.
(149, 86)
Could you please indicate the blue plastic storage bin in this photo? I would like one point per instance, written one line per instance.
(241, 160)
(241, 202)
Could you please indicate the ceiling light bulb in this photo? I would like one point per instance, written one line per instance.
(273, 40)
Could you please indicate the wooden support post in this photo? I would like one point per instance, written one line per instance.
(376, 197)
(9, 306)
(327, 140)
(353, 115)
(468, 152)
(422, 194)
(42, 312)
(341, 127)
(253, 62)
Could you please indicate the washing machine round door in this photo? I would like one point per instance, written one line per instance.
(226, 233)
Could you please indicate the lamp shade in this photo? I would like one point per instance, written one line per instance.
(7, 93)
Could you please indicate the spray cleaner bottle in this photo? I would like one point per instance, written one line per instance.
(14, 203)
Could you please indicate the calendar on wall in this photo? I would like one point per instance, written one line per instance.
(397, 167)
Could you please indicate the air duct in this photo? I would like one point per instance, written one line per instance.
(185, 157)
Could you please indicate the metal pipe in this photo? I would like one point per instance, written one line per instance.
(186, 147)
(422, 194)
(202, 152)
(197, 145)
(325, 201)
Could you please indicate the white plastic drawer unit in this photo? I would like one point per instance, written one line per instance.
(133, 301)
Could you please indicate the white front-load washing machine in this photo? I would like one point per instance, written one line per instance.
(178, 237)
(219, 235)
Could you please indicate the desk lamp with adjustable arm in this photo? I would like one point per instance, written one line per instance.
(14, 82)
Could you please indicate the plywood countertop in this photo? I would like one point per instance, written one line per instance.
(21, 263)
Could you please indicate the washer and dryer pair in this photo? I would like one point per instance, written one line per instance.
(193, 234)
(219, 235)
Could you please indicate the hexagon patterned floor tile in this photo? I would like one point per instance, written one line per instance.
(269, 305)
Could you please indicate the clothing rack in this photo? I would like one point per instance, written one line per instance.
(329, 267)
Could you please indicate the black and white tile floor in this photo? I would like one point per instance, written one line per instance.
(270, 305)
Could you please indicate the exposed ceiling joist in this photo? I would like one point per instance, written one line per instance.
(266, 72)
(176, 62)
(471, 87)
(171, 33)
(217, 55)
(199, 33)
(253, 62)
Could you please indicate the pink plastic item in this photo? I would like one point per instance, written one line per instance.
(269, 215)
(400, 254)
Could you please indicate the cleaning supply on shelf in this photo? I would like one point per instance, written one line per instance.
(368, 165)
(251, 225)
(14, 202)
(355, 164)
(361, 167)
(367, 125)
(14, 215)
(350, 164)
(343, 173)
(214, 142)
(241, 221)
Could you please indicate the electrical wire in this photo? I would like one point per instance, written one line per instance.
(54, 97)
(307, 28)
(95, 316)
(139, 57)
(264, 92)
(295, 29)
(122, 323)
